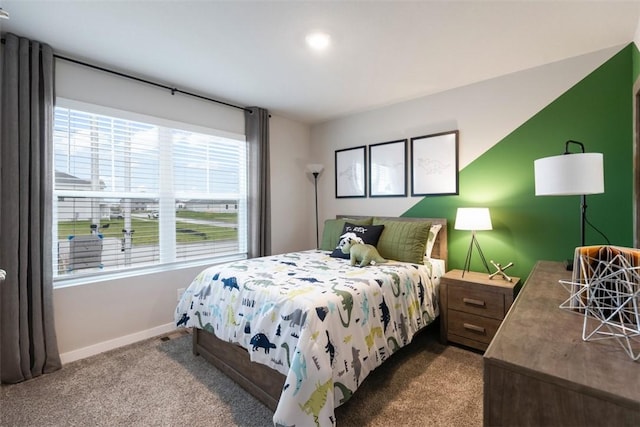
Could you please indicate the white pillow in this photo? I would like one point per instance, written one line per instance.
(433, 233)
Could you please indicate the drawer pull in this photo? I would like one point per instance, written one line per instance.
(472, 301)
(474, 328)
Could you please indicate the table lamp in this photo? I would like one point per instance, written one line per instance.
(473, 219)
(571, 174)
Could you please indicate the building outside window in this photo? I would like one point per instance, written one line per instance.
(133, 192)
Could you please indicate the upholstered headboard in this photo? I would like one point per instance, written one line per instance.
(440, 248)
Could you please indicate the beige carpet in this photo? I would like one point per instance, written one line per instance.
(160, 383)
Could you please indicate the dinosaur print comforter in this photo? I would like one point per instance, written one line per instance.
(323, 324)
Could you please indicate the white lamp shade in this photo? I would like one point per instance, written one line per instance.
(569, 174)
(315, 167)
(473, 219)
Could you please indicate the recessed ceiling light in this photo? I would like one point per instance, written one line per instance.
(318, 40)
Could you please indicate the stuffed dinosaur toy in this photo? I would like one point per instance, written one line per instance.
(360, 252)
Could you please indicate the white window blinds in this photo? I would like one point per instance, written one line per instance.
(141, 192)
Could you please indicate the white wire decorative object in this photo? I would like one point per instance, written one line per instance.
(605, 289)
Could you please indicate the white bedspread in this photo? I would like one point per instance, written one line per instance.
(322, 323)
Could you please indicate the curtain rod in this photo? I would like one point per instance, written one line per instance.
(149, 82)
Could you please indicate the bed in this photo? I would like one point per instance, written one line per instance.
(300, 331)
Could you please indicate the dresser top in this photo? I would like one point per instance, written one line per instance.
(540, 339)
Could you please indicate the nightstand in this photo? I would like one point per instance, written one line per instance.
(473, 307)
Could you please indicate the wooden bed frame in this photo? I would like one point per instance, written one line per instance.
(262, 382)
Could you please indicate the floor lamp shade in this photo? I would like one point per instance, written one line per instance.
(569, 174)
(315, 168)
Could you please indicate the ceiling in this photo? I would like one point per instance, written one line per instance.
(382, 52)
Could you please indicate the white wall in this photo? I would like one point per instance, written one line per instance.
(81, 83)
(484, 113)
(95, 317)
(292, 208)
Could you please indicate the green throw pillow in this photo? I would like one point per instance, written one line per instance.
(404, 241)
(333, 229)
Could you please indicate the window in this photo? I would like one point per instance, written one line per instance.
(133, 191)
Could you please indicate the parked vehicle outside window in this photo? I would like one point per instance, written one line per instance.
(116, 172)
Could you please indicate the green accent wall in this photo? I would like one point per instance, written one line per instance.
(597, 111)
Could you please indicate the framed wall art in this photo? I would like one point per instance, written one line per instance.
(434, 164)
(388, 169)
(351, 172)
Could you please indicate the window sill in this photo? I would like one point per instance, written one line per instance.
(63, 282)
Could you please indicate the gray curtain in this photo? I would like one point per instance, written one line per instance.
(257, 133)
(28, 346)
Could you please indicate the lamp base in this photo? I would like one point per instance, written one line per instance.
(568, 264)
(467, 262)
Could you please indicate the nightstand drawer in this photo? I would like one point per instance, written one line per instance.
(473, 327)
(475, 301)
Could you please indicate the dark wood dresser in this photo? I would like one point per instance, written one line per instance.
(539, 372)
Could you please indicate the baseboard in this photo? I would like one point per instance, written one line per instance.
(92, 350)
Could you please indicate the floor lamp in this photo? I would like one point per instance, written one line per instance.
(473, 219)
(315, 169)
(571, 174)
